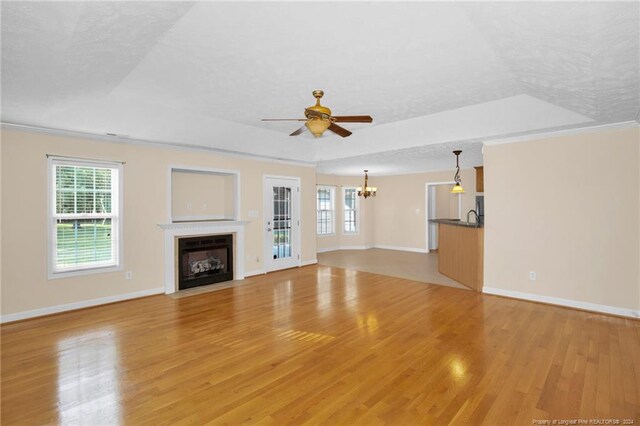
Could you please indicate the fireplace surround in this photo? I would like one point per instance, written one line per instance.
(175, 231)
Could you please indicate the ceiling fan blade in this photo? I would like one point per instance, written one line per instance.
(284, 119)
(299, 131)
(353, 119)
(339, 130)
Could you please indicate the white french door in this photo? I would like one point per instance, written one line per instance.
(282, 222)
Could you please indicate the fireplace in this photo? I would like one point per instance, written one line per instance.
(204, 260)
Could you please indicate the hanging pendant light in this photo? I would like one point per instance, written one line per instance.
(366, 191)
(457, 188)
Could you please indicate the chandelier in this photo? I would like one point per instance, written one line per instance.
(457, 188)
(367, 191)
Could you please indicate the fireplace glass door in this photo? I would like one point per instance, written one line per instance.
(205, 260)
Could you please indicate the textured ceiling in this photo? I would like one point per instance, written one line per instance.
(433, 75)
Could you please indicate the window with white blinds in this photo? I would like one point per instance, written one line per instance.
(85, 209)
(325, 210)
(350, 223)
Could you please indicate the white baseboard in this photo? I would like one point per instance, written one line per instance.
(327, 249)
(380, 246)
(324, 250)
(625, 312)
(254, 273)
(79, 305)
(262, 271)
(411, 249)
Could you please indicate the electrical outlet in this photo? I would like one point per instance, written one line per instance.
(189, 206)
(532, 275)
(128, 275)
(257, 259)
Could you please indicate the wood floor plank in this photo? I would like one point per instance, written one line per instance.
(320, 345)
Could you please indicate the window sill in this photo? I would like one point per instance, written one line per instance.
(82, 272)
(326, 235)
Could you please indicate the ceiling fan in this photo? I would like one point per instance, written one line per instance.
(319, 119)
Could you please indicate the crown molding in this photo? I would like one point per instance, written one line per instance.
(566, 132)
(94, 137)
(487, 141)
(180, 147)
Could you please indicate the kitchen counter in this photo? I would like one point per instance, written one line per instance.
(461, 252)
(456, 222)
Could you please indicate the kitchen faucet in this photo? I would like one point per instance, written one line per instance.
(475, 213)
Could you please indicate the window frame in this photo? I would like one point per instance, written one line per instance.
(344, 210)
(332, 192)
(115, 216)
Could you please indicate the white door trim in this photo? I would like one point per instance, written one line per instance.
(426, 207)
(298, 221)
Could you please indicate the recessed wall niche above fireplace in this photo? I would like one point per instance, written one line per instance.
(204, 260)
(199, 194)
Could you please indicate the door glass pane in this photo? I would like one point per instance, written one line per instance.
(281, 222)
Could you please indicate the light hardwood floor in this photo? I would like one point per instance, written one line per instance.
(402, 264)
(321, 345)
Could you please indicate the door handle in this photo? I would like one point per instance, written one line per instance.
(268, 229)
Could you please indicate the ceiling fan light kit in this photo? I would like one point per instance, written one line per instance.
(319, 119)
(317, 126)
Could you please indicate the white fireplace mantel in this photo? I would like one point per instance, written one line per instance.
(186, 229)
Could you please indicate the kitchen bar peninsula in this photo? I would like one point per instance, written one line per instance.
(461, 251)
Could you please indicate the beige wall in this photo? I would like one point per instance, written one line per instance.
(201, 195)
(24, 226)
(446, 202)
(364, 238)
(399, 214)
(1, 223)
(567, 208)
